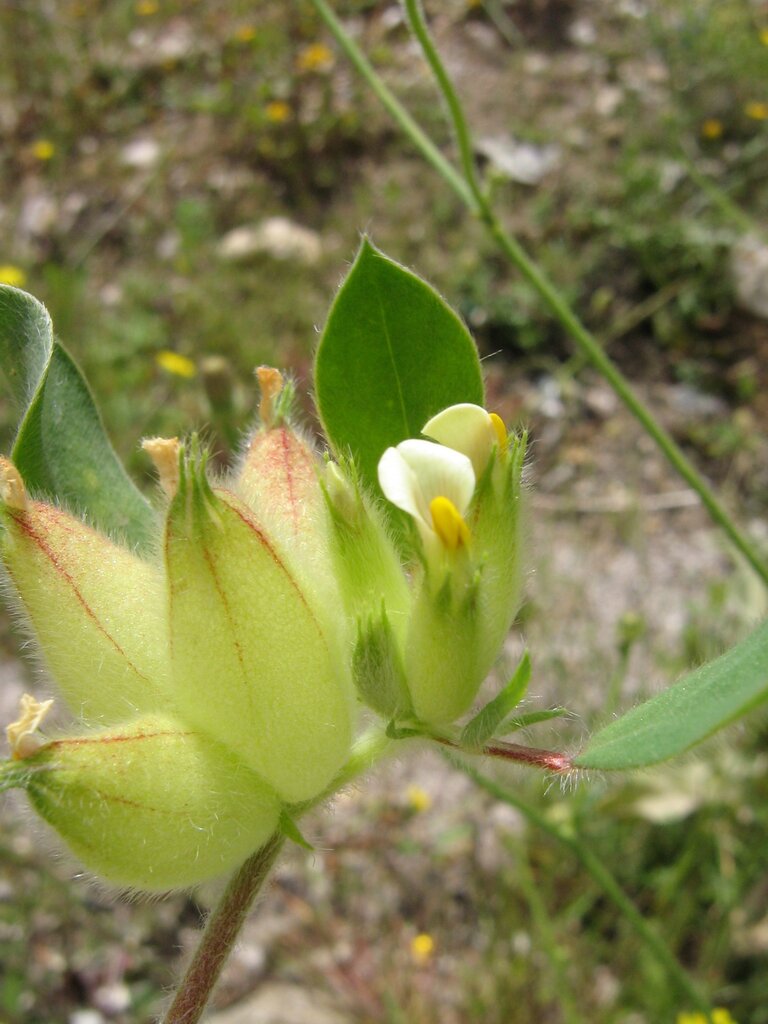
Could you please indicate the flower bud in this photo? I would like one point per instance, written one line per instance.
(278, 481)
(498, 528)
(377, 669)
(464, 495)
(97, 609)
(366, 562)
(442, 650)
(151, 805)
(253, 664)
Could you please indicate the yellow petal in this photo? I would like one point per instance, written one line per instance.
(501, 431)
(448, 523)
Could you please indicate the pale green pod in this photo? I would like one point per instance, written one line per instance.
(252, 663)
(151, 805)
(498, 527)
(97, 610)
(366, 562)
(442, 664)
(278, 482)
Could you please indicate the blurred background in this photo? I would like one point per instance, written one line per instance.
(184, 185)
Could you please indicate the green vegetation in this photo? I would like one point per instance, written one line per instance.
(137, 136)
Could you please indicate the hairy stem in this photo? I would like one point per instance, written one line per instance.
(225, 921)
(534, 757)
(605, 880)
(468, 188)
(221, 931)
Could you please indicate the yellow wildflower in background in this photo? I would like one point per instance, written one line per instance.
(176, 364)
(43, 149)
(418, 798)
(13, 276)
(146, 8)
(277, 111)
(712, 128)
(719, 1016)
(422, 948)
(764, 36)
(315, 57)
(245, 34)
(757, 110)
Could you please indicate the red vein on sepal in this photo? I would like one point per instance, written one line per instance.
(22, 521)
(231, 621)
(240, 511)
(79, 741)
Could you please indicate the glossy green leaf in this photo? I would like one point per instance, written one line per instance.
(61, 448)
(699, 704)
(392, 355)
(483, 726)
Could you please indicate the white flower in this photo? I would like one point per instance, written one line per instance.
(434, 484)
(468, 429)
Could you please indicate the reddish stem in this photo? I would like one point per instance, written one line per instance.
(221, 931)
(550, 760)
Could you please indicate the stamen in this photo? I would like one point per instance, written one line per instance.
(12, 490)
(501, 431)
(20, 734)
(448, 523)
(271, 384)
(164, 452)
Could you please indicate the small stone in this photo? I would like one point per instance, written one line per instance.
(85, 1017)
(523, 162)
(39, 212)
(282, 1004)
(749, 269)
(140, 153)
(112, 999)
(582, 32)
(278, 237)
(608, 99)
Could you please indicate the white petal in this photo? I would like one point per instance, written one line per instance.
(399, 484)
(439, 471)
(465, 428)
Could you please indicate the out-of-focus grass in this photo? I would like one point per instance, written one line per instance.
(245, 111)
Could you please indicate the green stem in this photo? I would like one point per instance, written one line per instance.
(221, 931)
(225, 921)
(469, 191)
(555, 952)
(605, 880)
(392, 105)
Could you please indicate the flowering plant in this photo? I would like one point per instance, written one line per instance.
(217, 648)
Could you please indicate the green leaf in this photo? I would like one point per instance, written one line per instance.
(530, 718)
(61, 448)
(377, 668)
(291, 831)
(701, 703)
(483, 726)
(392, 355)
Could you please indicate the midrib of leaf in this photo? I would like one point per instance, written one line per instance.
(391, 354)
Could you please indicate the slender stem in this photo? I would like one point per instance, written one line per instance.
(471, 194)
(393, 106)
(416, 20)
(554, 950)
(534, 757)
(224, 924)
(221, 931)
(603, 877)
